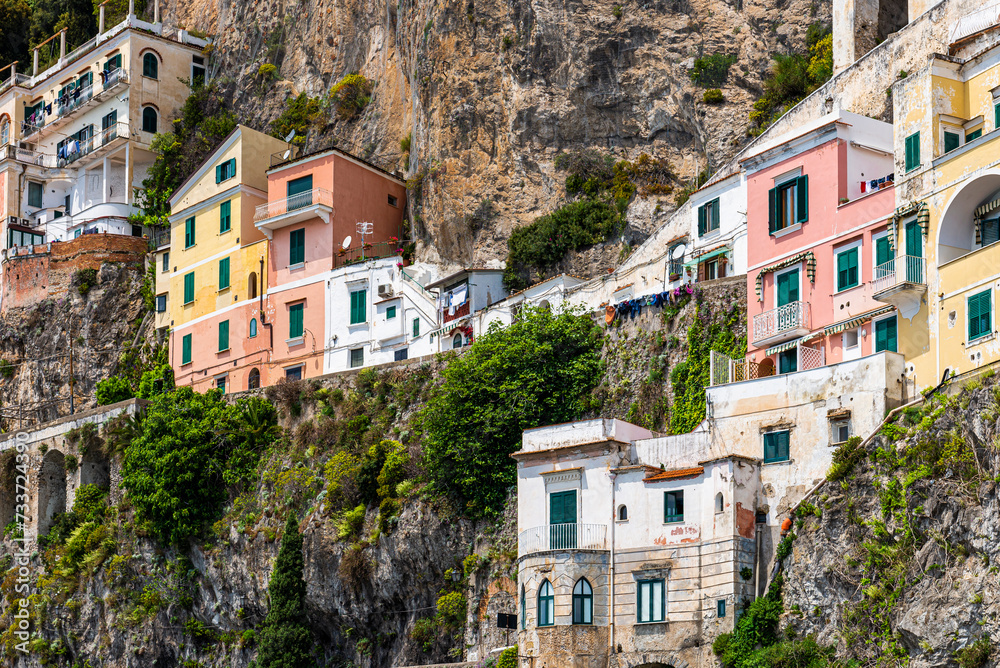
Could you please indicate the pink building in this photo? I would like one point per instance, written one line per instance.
(315, 204)
(818, 203)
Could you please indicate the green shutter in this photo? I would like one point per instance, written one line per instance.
(951, 141)
(847, 269)
(885, 335)
(883, 251)
(225, 216)
(232, 168)
(776, 446)
(416, 327)
(913, 151)
(772, 200)
(218, 173)
(223, 335)
(189, 288)
(996, 117)
(980, 315)
(788, 287)
(802, 199)
(562, 507)
(223, 273)
(189, 229)
(186, 349)
(390, 312)
(297, 247)
(701, 220)
(715, 213)
(295, 326)
(972, 136)
(358, 311)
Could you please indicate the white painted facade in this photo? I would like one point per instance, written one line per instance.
(552, 293)
(461, 299)
(709, 243)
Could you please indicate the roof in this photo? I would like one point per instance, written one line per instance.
(333, 149)
(452, 277)
(676, 473)
(718, 178)
(197, 173)
(563, 276)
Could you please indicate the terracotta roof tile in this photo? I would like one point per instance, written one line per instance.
(676, 473)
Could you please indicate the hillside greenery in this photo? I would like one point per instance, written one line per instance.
(285, 640)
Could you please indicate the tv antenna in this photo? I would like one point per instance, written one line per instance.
(364, 229)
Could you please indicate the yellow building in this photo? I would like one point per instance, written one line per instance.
(218, 267)
(946, 275)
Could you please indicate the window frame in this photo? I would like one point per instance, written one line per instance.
(252, 329)
(190, 232)
(296, 315)
(225, 216)
(390, 312)
(775, 435)
(155, 116)
(359, 306)
(297, 247)
(224, 276)
(416, 327)
(984, 297)
(875, 326)
(974, 135)
(189, 290)
(720, 608)
(877, 238)
(798, 203)
(354, 363)
(583, 594)
(654, 618)
(223, 335)
(166, 262)
(546, 597)
(39, 188)
(708, 217)
(946, 134)
(676, 495)
(150, 57)
(911, 152)
(856, 249)
(186, 349)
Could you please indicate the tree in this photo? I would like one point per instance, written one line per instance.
(285, 640)
(15, 17)
(532, 373)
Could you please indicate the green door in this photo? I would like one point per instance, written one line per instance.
(562, 520)
(788, 288)
(914, 249)
(300, 187)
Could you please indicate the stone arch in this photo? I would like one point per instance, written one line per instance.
(956, 233)
(51, 490)
(95, 468)
(499, 585)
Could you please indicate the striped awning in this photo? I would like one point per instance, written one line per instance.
(986, 208)
(856, 321)
(450, 327)
(788, 345)
(695, 261)
(923, 219)
(810, 261)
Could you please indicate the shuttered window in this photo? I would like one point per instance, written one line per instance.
(975, 134)
(673, 506)
(223, 273)
(358, 307)
(952, 141)
(912, 146)
(989, 232)
(883, 251)
(225, 216)
(980, 315)
(186, 349)
(776, 446)
(885, 335)
(189, 288)
(295, 326)
(189, 232)
(788, 287)
(297, 247)
(847, 268)
(651, 604)
(225, 171)
(416, 327)
(788, 204)
(708, 217)
(223, 335)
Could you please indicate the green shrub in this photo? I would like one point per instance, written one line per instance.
(452, 608)
(155, 381)
(388, 509)
(112, 390)
(85, 279)
(393, 472)
(351, 95)
(534, 372)
(713, 96)
(721, 643)
(785, 547)
(300, 114)
(268, 72)
(405, 143)
(975, 655)
(71, 463)
(7, 369)
(746, 573)
(712, 70)
(285, 639)
(340, 472)
(350, 522)
(425, 632)
(845, 457)
(507, 658)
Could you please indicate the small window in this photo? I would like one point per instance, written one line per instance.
(149, 120)
(952, 140)
(197, 71)
(980, 315)
(989, 231)
(225, 171)
(416, 327)
(912, 149)
(546, 604)
(847, 268)
(5, 133)
(390, 312)
(225, 216)
(136, 229)
(673, 506)
(788, 204)
(788, 361)
(357, 357)
(189, 288)
(457, 341)
(720, 608)
(583, 602)
(161, 303)
(975, 134)
(885, 335)
(651, 605)
(186, 349)
(296, 327)
(223, 336)
(294, 373)
(776, 446)
(841, 431)
(223, 274)
(253, 380)
(296, 247)
(401, 355)
(850, 338)
(359, 311)
(524, 609)
(150, 66)
(719, 501)
(623, 513)
(189, 232)
(393, 201)
(708, 217)
(35, 194)
(711, 270)
(166, 262)
(252, 285)
(253, 327)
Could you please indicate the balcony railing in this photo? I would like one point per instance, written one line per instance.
(562, 537)
(26, 156)
(370, 252)
(315, 197)
(78, 149)
(899, 271)
(789, 317)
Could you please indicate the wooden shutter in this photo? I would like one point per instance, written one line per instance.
(297, 247)
(416, 327)
(186, 349)
(951, 141)
(802, 199)
(883, 252)
(225, 216)
(189, 288)
(782, 445)
(224, 273)
(218, 173)
(913, 151)
(358, 314)
(772, 202)
(295, 324)
(701, 220)
(715, 214)
(223, 335)
(189, 237)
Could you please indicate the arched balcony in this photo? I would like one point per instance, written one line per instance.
(968, 221)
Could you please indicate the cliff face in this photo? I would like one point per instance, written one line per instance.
(491, 91)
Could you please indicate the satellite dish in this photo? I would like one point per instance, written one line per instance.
(287, 155)
(290, 137)
(347, 242)
(679, 252)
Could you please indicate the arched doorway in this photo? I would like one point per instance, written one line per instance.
(51, 489)
(959, 231)
(253, 380)
(252, 285)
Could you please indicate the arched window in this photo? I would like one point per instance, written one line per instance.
(524, 609)
(150, 66)
(718, 502)
(253, 381)
(546, 604)
(457, 342)
(583, 602)
(252, 285)
(5, 132)
(253, 327)
(623, 513)
(149, 119)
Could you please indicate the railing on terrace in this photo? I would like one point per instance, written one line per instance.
(562, 537)
(723, 369)
(158, 236)
(370, 252)
(900, 270)
(80, 149)
(11, 152)
(314, 197)
(782, 319)
(86, 94)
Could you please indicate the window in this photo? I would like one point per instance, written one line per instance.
(296, 247)
(457, 341)
(294, 373)
(850, 339)
(883, 250)
(5, 133)
(189, 288)
(885, 335)
(583, 602)
(393, 201)
(252, 285)
(623, 513)
(776, 446)
(150, 66)
(719, 502)
(651, 605)
(223, 274)
(788, 204)
(989, 231)
(186, 349)
(708, 217)
(253, 328)
(912, 146)
(161, 303)
(296, 329)
(401, 355)
(711, 270)
(847, 268)
(980, 315)
(673, 506)
(390, 312)
(197, 71)
(300, 192)
(975, 134)
(225, 216)
(166, 262)
(35, 194)
(223, 336)
(113, 63)
(358, 311)
(149, 119)
(524, 609)
(996, 117)
(225, 171)
(720, 607)
(841, 431)
(788, 287)
(416, 327)
(546, 604)
(189, 232)
(357, 357)
(952, 140)
(253, 380)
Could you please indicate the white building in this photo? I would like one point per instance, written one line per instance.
(552, 293)
(461, 297)
(717, 247)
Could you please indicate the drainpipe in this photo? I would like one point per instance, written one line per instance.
(611, 569)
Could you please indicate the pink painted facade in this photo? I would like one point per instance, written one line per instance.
(811, 263)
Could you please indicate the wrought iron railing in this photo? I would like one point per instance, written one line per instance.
(899, 270)
(76, 150)
(791, 316)
(314, 197)
(11, 152)
(562, 537)
(368, 252)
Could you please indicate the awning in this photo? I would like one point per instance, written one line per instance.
(810, 261)
(856, 321)
(695, 261)
(788, 345)
(923, 219)
(450, 327)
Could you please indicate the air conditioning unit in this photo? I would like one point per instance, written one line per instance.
(13, 220)
(385, 291)
(26, 222)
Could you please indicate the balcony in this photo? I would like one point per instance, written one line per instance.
(91, 96)
(781, 324)
(902, 282)
(562, 537)
(376, 251)
(316, 203)
(104, 142)
(27, 157)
